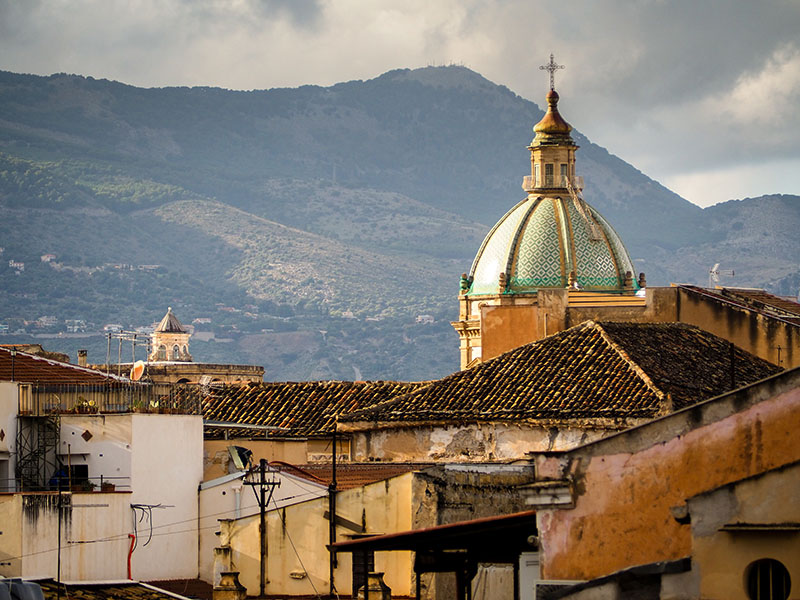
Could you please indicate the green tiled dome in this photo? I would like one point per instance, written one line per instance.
(541, 240)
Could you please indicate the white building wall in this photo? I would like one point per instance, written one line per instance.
(166, 470)
(8, 425)
(103, 442)
(92, 546)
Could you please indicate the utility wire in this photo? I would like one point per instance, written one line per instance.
(124, 536)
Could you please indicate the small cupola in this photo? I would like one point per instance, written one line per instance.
(552, 149)
(170, 340)
(552, 129)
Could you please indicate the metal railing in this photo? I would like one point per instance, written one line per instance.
(529, 183)
(117, 397)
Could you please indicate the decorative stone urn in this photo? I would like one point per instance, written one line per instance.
(229, 587)
(376, 588)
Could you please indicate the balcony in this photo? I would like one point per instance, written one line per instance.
(36, 400)
(553, 182)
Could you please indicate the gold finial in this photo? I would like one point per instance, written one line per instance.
(552, 66)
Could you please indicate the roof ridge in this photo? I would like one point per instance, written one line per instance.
(389, 402)
(349, 417)
(666, 400)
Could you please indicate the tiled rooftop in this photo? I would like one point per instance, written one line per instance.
(28, 368)
(304, 409)
(595, 371)
(102, 591)
(348, 475)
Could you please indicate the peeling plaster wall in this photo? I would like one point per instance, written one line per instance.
(478, 443)
(460, 492)
(622, 498)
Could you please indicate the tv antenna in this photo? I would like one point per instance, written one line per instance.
(714, 273)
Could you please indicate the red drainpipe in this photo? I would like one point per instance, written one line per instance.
(130, 553)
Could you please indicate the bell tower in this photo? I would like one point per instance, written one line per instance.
(170, 341)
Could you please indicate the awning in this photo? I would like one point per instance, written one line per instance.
(457, 547)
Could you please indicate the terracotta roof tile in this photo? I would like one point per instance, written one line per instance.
(595, 371)
(306, 409)
(348, 475)
(28, 368)
(102, 591)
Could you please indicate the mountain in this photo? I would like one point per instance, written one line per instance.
(366, 199)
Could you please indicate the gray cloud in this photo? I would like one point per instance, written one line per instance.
(679, 88)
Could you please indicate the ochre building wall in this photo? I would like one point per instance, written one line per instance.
(771, 339)
(623, 498)
(722, 558)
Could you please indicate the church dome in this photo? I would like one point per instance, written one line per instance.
(541, 241)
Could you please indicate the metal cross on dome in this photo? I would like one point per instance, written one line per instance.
(552, 67)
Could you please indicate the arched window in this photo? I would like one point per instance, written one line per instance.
(176, 352)
(768, 579)
(162, 352)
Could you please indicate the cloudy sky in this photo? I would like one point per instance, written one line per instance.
(701, 95)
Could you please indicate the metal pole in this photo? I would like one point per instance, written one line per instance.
(263, 526)
(332, 512)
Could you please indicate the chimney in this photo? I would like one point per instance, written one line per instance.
(81, 358)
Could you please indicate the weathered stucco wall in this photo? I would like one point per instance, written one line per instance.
(229, 498)
(771, 339)
(11, 539)
(722, 558)
(624, 486)
(94, 544)
(297, 536)
(483, 442)
(460, 492)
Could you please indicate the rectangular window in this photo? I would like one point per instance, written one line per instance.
(564, 175)
(537, 177)
(548, 175)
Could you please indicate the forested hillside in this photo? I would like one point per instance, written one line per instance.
(289, 217)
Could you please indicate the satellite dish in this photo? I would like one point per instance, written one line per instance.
(137, 370)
